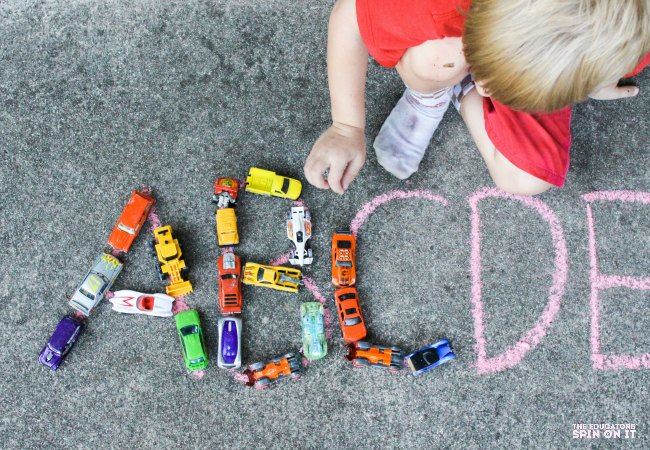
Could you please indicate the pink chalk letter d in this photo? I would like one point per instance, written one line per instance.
(601, 282)
(514, 353)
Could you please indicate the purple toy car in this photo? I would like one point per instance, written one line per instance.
(60, 343)
(229, 356)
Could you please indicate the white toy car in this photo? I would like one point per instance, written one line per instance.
(97, 281)
(132, 302)
(299, 231)
(229, 355)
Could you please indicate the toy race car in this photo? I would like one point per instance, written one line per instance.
(229, 354)
(299, 231)
(171, 266)
(225, 192)
(274, 277)
(266, 182)
(429, 357)
(130, 222)
(349, 312)
(314, 341)
(57, 347)
(97, 281)
(190, 334)
(227, 233)
(230, 298)
(132, 302)
(365, 354)
(263, 374)
(343, 259)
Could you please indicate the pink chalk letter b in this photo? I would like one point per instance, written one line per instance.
(600, 282)
(531, 339)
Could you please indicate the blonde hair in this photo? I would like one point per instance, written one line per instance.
(542, 55)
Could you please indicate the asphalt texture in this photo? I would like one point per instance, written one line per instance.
(98, 98)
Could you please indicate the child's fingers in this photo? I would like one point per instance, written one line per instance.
(615, 92)
(353, 170)
(314, 169)
(334, 178)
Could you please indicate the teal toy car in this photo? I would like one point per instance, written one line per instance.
(191, 335)
(314, 342)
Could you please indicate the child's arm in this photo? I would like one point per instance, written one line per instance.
(341, 149)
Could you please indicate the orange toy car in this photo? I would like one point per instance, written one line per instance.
(344, 249)
(262, 374)
(352, 324)
(230, 298)
(365, 354)
(130, 222)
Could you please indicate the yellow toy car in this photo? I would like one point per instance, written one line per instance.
(274, 277)
(267, 182)
(227, 227)
(169, 257)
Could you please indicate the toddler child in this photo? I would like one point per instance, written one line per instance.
(511, 67)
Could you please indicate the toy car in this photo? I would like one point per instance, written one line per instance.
(57, 347)
(172, 266)
(130, 222)
(132, 302)
(190, 334)
(225, 192)
(343, 259)
(227, 227)
(429, 357)
(229, 354)
(274, 277)
(97, 281)
(262, 374)
(314, 342)
(267, 182)
(365, 354)
(230, 298)
(299, 231)
(347, 304)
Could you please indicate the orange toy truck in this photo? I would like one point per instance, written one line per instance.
(171, 265)
(365, 354)
(130, 222)
(343, 259)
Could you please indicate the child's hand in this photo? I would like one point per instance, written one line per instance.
(613, 92)
(341, 150)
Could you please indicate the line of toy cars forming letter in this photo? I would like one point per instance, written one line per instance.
(133, 302)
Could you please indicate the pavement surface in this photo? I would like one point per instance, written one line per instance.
(98, 98)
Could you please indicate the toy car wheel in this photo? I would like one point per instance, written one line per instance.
(360, 362)
(256, 366)
(262, 383)
(161, 276)
(396, 349)
(296, 376)
(363, 345)
(307, 215)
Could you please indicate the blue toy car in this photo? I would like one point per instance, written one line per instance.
(429, 357)
(60, 343)
(229, 356)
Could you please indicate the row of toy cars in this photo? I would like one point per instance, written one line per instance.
(353, 327)
(98, 280)
(231, 274)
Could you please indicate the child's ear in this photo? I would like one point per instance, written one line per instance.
(480, 89)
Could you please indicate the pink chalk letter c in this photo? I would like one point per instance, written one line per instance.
(514, 353)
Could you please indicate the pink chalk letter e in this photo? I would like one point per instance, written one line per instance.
(600, 281)
(514, 353)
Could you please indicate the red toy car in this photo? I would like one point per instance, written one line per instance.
(130, 222)
(230, 298)
(343, 259)
(365, 354)
(225, 192)
(347, 305)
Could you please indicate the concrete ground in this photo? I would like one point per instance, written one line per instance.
(98, 98)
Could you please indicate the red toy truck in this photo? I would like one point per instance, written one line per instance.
(230, 298)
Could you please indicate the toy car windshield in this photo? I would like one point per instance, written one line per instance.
(285, 186)
(353, 321)
(345, 244)
(190, 329)
(343, 263)
(197, 360)
(145, 303)
(347, 296)
(126, 229)
(229, 276)
(421, 360)
(87, 294)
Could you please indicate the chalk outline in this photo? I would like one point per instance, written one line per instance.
(599, 282)
(514, 353)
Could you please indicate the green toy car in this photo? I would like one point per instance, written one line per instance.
(191, 335)
(314, 341)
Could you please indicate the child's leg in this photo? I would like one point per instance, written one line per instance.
(506, 175)
(406, 133)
